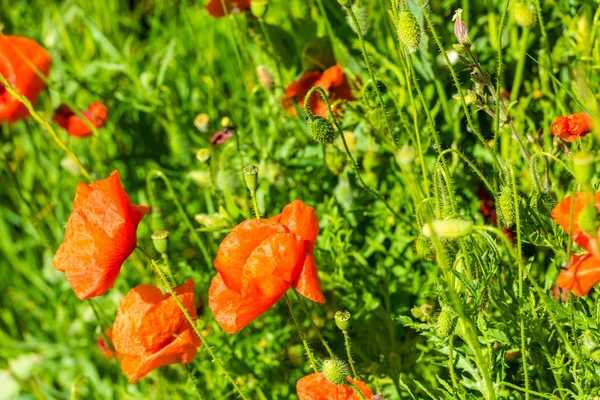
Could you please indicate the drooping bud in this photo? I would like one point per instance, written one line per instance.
(460, 28)
(203, 154)
(160, 240)
(201, 122)
(543, 202)
(589, 220)
(409, 31)
(524, 15)
(405, 156)
(583, 166)
(320, 129)
(424, 248)
(251, 177)
(346, 3)
(336, 371)
(343, 319)
(445, 323)
(259, 7)
(265, 78)
(448, 228)
(335, 160)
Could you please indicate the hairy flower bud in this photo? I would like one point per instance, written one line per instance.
(336, 371)
(160, 240)
(524, 15)
(507, 207)
(343, 319)
(320, 129)
(424, 248)
(460, 28)
(409, 31)
(449, 228)
(445, 323)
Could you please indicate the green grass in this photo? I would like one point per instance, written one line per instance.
(160, 63)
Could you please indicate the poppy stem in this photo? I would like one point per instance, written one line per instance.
(349, 352)
(314, 326)
(46, 125)
(255, 204)
(356, 390)
(309, 353)
(162, 278)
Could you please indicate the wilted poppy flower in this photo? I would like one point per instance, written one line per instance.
(571, 127)
(260, 260)
(583, 271)
(215, 7)
(222, 136)
(332, 80)
(96, 115)
(18, 56)
(104, 347)
(150, 330)
(317, 387)
(100, 235)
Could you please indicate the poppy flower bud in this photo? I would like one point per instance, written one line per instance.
(343, 319)
(160, 240)
(259, 7)
(449, 228)
(201, 122)
(336, 371)
(346, 3)
(265, 78)
(405, 156)
(251, 177)
(320, 129)
(424, 248)
(583, 166)
(460, 28)
(588, 219)
(524, 15)
(203, 154)
(507, 207)
(544, 202)
(423, 313)
(445, 323)
(409, 31)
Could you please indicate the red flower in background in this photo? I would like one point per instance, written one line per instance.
(583, 271)
(105, 347)
(100, 235)
(215, 7)
(150, 330)
(571, 127)
(18, 57)
(317, 387)
(260, 260)
(488, 209)
(96, 115)
(332, 80)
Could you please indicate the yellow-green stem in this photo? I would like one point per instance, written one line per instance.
(312, 323)
(309, 353)
(349, 352)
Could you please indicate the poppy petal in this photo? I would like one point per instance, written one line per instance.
(562, 213)
(583, 273)
(301, 220)
(317, 387)
(308, 284)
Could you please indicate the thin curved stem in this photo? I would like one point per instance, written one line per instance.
(499, 74)
(314, 326)
(473, 167)
(349, 352)
(255, 204)
(356, 390)
(309, 353)
(533, 168)
(161, 277)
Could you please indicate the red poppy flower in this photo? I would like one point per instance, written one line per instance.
(571, 127)
(100, 235)
(260, 260)
(332, 80)
(583, 271)
(18, 56)
(103, 346)
(222, 136)
(215, 7)
(317, 387)
(96, 115)
(150, 330)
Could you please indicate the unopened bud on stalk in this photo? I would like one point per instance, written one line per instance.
(449, 228)
(507, 207)
(524, 15)
(409, 31)
(160, 240)
(265, 78)
(320, 129)
(336, 371)
(424, 248)
(460, 28)
(343, 319)
(201, 122)
(583, 166)
(445, 323)
(251, 177)
(259, 7)
(203, 154)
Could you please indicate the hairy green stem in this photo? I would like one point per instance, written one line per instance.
(309, 352)
(349, 352)
(312, 323)
(356, 390)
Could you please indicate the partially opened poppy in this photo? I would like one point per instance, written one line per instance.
(150, 330)
(215, 7)
(260, 260)
(19, 58)
(571, 127)
(332, 80)
(100, 235)
(317, 387)
(583, 271)
(96, 115)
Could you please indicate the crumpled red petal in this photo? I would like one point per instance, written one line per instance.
(317, 387)
(562, 213)
(215, 7)
(100, 236)
(96, 115)
(583, 273)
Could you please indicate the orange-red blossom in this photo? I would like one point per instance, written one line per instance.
(317, 387)
(571, 127)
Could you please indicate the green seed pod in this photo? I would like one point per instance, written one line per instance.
(259, 7)
(335, 160)
(251, 177)
(450, 228)
(336, 371)
(343, 320)
(507, 207)
(445, 323)
(424, 248)
(524, 15)
(589, 220)
(320, 129)
(583, 166)
(409, 31)
(160, 240)
(203, 154)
